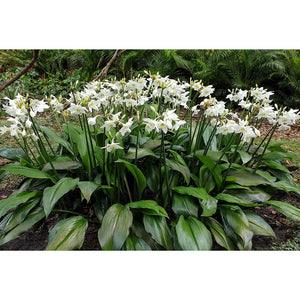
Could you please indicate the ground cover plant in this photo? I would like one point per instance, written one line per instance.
(156, 163)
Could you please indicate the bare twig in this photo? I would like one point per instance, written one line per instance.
(103, 73)
(23, 71)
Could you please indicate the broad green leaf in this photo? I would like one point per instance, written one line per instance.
(244, 156)
(148, 207)
(235, 220)
(151, 144)
(206, 179)
(56, 138)
(234, 199)
(27, 172)
(87, 188)
(193, 235)
(184, 205)
(258, 225)
(219, 234)
(244, 177)
(207, 202)
(184, 170)
(115, 227)
(17, 216)
(275, 165)
(12, 153)
(62, 165)
(236, 186)
(99, 152)
(52, 194)
(135, 243)
(255, 195)
(13, 201)
(34, 217)
(214, 169)
(206, 136)
(68, 234)
(275, 146)
(178, 157)
(152, 175)
(283, 185)
(287, 209)
(279, 155)
(137, 174)
(159, 230)
(213, 155)
(142, 152)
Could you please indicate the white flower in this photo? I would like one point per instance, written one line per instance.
(206, 91)
(126, 127)
(28, 123)
(76, 109)
(178, 124)
(112, 147)
(108, 125)
(92, 121)
(164, 125)
(150, 124)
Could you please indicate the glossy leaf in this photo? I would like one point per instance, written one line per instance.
(13, 201)
(17, 216)
(62, 165)
(275, 165)
(115, 227)
(207, 202)
(219, 234)
(135, 243)
(159, 230)
(255, 195)
(184, 170)
(279, 155)
(53, 136)
(246, 157)
(34, 217)
(13, 154)
(52, 194)
(244, 177)
(287, 209)
(234, 199)
(27, 172)
(192, 234)
(148, 207)
(137, 174)
(141, 152)
(185, 205)
(235, 221)
(87, 188)
(258, 225)
(68, 234)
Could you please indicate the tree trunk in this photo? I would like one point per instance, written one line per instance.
(23, 71)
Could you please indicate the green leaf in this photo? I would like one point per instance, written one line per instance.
(207, 202)
(193, 235)
(178, 157)
(151, 144)
(184, 170)
(283, 185)
(244, 156)
(159, 230)
(287, 209)
(219, 234)
(234, 199)
(17, 216)
(279, 155)
(235, 221)
(87, 188)
(258, 225)
(13, 201)
(213, 155)
(275, 165)
(244, 177)
(56, 138)
(30, 220)
(255, 195)
(142, 152)
(63, 165)
(52, 194)
(185, 205)
(68, 234)
(148, 207)
(214, 169)
(27, 172)
(137, 174)
(12, 153)
(135, 243)
(115, 227)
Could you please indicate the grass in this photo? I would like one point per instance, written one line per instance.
(290, 245)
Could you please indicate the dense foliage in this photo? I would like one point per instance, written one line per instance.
(157, 163)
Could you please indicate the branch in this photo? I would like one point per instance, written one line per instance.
(23, 71)
(104, 71)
